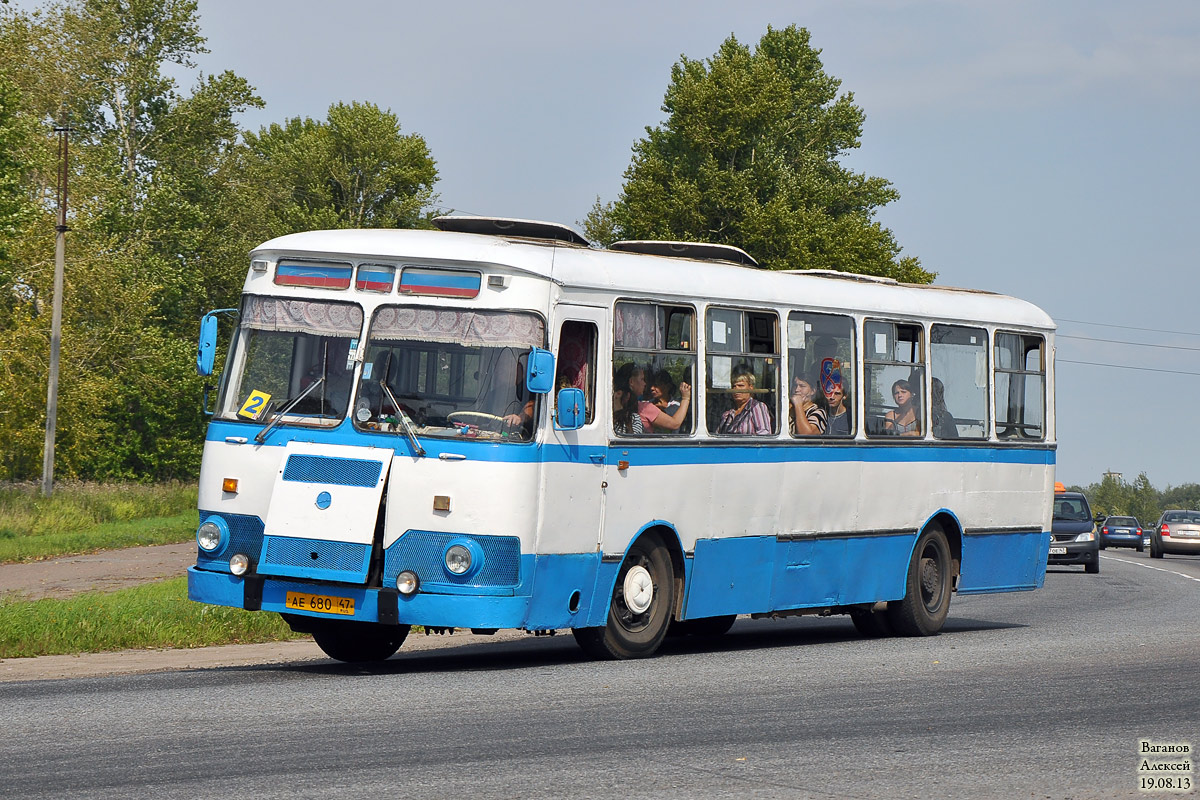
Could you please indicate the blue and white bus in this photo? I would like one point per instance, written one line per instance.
(495, 425)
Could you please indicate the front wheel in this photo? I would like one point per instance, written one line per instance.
(357, 642)
(927, 590)
(640, 610)
(1092, 567)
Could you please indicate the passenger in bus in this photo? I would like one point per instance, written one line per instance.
(905, 419)
(673, 414)
(944, 425)
(749, 415)
(662, 392)
(651, 416)
(806, 412)
(626, 419)
(838, 414)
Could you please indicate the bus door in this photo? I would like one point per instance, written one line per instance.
(573, 466)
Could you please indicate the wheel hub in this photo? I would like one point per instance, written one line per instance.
(638, 589)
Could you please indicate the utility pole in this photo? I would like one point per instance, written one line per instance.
(60, 246)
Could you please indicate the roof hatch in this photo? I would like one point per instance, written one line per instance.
(500, 226)
(701, 251)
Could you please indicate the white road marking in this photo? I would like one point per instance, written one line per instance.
(1156, 569)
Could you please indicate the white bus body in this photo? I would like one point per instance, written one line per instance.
(330, 509)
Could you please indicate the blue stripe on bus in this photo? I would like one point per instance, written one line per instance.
(739, 575)
(660, 453)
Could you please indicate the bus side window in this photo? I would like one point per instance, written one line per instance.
(1020, 386)
(958, 402)
(576, 361)
(894, 379)
(821, 352)
(742, 393)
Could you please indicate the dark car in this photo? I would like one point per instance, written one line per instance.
(1121, 532)
(1177, 533)
(1073, 537)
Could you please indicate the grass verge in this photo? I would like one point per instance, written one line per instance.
(106, 536)
(152, 616)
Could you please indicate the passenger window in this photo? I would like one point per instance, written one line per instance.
(1020, 386)
(742, 350)
(958, 400)
(821, 354)
(894, 379)
(576, 358)
(654, 369)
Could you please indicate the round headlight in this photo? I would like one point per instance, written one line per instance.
(208, 536)
(239, 564)
(407, 582)
(458, 559)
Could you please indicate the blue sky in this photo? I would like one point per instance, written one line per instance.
(1046, 150)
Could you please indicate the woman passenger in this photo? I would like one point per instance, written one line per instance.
(748, 415)
(807, 416)
(905, 420)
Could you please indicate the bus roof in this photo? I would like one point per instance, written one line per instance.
(637, 274)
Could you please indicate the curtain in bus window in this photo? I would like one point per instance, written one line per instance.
(472, 328)
(636, 326)
(302, 316)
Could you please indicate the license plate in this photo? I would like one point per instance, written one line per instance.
(320, 603)
(1058, 551)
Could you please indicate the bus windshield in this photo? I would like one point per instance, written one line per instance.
(284, 347)
(453, 372)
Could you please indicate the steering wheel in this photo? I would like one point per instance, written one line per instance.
(470, 417)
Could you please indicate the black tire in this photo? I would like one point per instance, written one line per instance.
(1102, 544)
(639, 611)
(703, 627)
(1092, 567)
(358, 642)
(872, 624)
(1155, 549)
(927, 589)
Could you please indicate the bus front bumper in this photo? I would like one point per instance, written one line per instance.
(357, 604)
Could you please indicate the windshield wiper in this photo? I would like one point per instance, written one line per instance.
(288, 406)
(404, 420)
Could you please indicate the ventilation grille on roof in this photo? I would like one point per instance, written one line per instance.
(524, 228)
(701, 251)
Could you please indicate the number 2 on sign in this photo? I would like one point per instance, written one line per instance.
(255, 405)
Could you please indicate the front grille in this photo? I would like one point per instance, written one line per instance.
(301, 558)
(336, 471)
(423, 551)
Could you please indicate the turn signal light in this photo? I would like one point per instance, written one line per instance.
(229, 485)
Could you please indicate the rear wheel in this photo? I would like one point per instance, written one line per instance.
(640, 609)
(1155, 549)
(927, 590)
(356, 642)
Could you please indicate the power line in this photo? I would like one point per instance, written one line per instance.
(1131, 344)
(1125, 327)
(1124, 366)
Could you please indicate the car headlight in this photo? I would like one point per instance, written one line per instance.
(1086, 536)
(212, 534)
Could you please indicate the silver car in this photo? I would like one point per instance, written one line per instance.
(1177, 532)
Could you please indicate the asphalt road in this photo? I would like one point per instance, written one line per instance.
(1030, 695)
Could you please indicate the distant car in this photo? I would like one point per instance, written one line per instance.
(1121, 532)
(1177, 533)
(1073, 537)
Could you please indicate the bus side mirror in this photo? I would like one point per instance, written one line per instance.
(571, 409)
(539, 378)
(206, 349)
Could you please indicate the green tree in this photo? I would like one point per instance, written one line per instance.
(355, 170)
(159, 230)
(1144, 503)
(748, 156)
(1184, 496)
